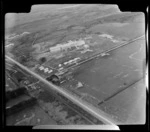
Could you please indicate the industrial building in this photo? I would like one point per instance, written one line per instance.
(62, 47)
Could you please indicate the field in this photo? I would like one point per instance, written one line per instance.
(121, 30)
(114, 67)
(128, 107)
(9, 85)
(105, 75)
(115, 79)
(30, 116)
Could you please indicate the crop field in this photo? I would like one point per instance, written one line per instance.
(30, 116)
(112, 81)
(104, 75)
(128, 106)
(121, 30)
(48, 111)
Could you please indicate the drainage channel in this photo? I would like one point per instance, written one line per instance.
(119, 91)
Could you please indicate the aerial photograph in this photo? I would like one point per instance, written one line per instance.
(75, 64)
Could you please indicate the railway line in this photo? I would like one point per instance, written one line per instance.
(106, 51)
(65, 104)
(71, 67)
(79, 112)
(73, 107)
(76, 102)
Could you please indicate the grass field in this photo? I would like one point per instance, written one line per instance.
(105, 75)
(30, 117)
(121, 30)
(60, 25)
(102, 76)
(128, 107)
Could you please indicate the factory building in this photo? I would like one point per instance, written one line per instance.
(55, 49)
(72, 61)
(62, 47)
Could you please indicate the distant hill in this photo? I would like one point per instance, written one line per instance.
(39, 13)
(60, 23)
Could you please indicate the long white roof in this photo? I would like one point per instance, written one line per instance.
(69, 44)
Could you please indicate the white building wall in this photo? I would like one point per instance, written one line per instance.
(55, 49)
(70, 44)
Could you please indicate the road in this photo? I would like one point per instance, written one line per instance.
(75, 100)
(69, 96)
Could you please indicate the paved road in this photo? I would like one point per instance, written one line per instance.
(75, 100)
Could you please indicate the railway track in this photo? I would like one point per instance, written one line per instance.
(106, 51)
(98, 54)
(66, 104)
(82, 113)
(63, 104)
(75, 101)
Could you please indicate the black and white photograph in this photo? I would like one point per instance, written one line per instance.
(75, 65)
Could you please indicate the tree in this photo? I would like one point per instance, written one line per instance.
(43, 60)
